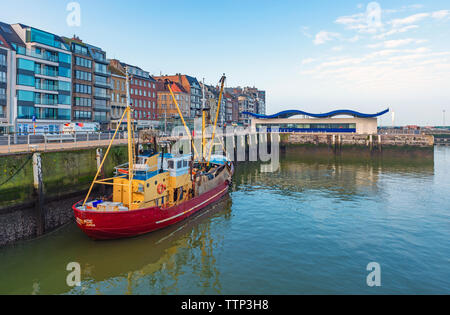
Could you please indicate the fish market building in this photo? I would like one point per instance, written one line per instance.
(357, 123)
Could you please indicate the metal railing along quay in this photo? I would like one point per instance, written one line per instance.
(51, 142)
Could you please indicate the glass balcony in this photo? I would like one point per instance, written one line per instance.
(46, 72)
(46, 101)
(46, 86)
(32, 53)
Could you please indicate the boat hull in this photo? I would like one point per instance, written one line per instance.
(123, 224)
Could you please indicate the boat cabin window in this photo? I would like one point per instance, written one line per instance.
(171, 164)
(185, 163)
(180, 164)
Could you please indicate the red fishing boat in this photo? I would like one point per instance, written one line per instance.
(154, 190)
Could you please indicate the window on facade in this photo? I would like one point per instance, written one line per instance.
(23, 79)
(83, 89)
(100, 68)
(100, 117)
(65, 58)
(3, 76)
(25, 112)
(2, 94)
(82, 115)
(64, 86)
(100, 92)
(64, 72)
(83, 75)
(63, 114)
(101, 80)
(25, 64)
(100, 103)
(64, 99)
(83, 62)
(83, 102)
(78, 49)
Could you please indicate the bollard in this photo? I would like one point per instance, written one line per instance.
(39, 194)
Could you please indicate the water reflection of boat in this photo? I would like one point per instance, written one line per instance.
(161, 251)
(155, 190)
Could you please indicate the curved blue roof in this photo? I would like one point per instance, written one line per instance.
(291, 113)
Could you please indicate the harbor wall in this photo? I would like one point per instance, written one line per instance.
(355, 140)
(66, 176)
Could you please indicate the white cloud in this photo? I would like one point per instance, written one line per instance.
(359, 23)
(396, 31)
(397, 43)
(308, 61)
(440, 14)
(409, 20)
(354, 39)
(412, 19)
(337, 48)
(323, 36)
(305, 31)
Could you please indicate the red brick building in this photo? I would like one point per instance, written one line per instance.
(143, 91)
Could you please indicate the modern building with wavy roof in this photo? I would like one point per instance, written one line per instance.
(338, 121)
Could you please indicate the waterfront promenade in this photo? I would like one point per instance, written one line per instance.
(47, 143)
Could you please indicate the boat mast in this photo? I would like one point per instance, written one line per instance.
(203, 121)
(222, 80)
(130, 140)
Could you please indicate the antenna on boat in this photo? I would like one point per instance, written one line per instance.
(222, 80)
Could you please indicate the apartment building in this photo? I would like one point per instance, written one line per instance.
(91, 79)
(166, 105)
(43, 81)
(143, 93)
(192, 86)
(118, 96)
(5, 73)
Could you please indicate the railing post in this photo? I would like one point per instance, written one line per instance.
(28, 137)
(9, 143)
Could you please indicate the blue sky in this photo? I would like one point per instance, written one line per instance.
(311, 55)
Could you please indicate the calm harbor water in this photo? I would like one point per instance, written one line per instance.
(311, 227)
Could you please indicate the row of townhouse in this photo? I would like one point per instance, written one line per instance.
(48, 81)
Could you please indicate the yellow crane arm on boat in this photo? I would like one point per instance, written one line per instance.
(217, 117)
(104, 158)
(168, 83)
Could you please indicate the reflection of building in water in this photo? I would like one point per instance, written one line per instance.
(195, 250)
(340, 177)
